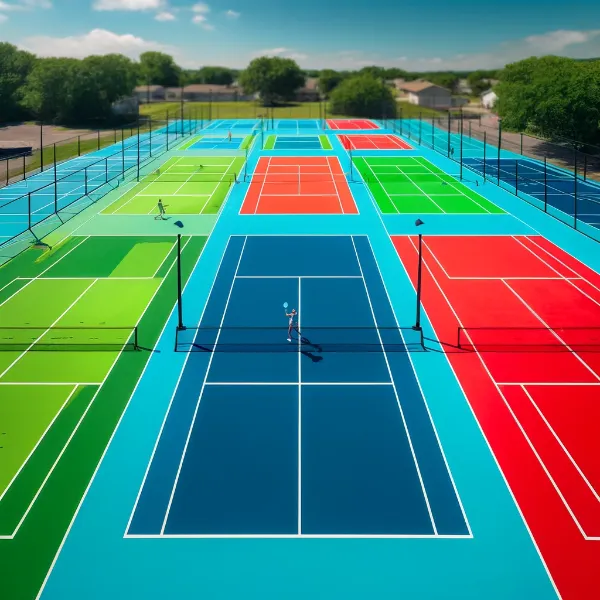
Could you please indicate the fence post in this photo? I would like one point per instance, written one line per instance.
(78, 145)
(115, 135)
(98, 139)
(462, 125)
(449, 132)
(167, 130)
(29, 210)
(499, 146)
(521, 148)
(575, 190)
(123, 152)
(24, 167)
(54, 158)
(7, 170)
(545, 184)
(517, 177)
(420, 126)
(55, 183)
(86, 181)
(401, 120)
(150, 122)
(484, 153)
(585, 167)
(41, 145)
(138, 148)
(106, 169)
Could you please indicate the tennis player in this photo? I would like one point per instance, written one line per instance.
(229, 136)
(161, 210)
(292, 326)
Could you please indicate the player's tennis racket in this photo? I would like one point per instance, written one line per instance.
(285, 305)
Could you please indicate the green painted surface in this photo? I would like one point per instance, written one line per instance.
(270, 142)
(325, 143)
(143, 259)
(26, 559)
(22, 491)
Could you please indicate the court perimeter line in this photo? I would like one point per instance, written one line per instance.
(175, 388)
(408, 436)
(39, 441)
(483, 435)
(296, 536)
(299, 409)
(93, 477)
(187, 441)
(423, 395)
(81, 419)
(274, 383)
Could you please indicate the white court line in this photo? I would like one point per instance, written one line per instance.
(189, 435)
(408, 436)
(550, 383)
(262, 187)
(39, 441)
(325, 536)
(56, 383)
(315, 383)
(517, 422)
(47, 329)
(337, 191)
(423, 395)
(298, 277)
(483, 434)
(299, 409)
(175, 388)
(552, 331)
(563, 447)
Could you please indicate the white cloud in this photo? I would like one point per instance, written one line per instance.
(201, 7)
(165, 16)
(556, 41)
(96, 42)
(272, 52)
(202, 22)
(24, 5)
(232, 14)
(3, 18)
(130, 5)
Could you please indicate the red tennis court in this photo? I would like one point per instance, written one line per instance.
(298, 185)
(351, 124)
(522, 322)
(373, 142)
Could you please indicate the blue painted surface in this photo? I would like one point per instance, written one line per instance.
(498, 561)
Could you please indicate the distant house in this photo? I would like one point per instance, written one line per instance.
(204, 92)
(426, 94)
(489, 99)
(463, 87)
(309, 92)
(149, 93)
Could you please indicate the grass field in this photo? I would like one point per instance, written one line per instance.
(186, 185)
(414, 185)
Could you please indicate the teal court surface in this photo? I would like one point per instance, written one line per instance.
(284, 419)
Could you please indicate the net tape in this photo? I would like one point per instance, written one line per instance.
(68, 339)
(310, 340)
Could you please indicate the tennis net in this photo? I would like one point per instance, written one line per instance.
(198, 176)
(68, 339)
(529, 339)
(311, 340)
(414, 178)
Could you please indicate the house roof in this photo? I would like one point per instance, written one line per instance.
(488, 92)
(205, 88)
(145, 88)
(420, 86)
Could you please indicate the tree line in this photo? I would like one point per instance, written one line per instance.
(552, 96)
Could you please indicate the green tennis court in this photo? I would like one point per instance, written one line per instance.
(186, 185)
(412, 184)
(64, 328)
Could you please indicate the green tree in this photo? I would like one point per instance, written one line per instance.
(363, 96)
(395, 73)
(48, 91)
(215, 75)
(157, 68)
(374, 72)
(329, 80)
(552, 96)
(445, 80)
(15, 66)
(275, 79)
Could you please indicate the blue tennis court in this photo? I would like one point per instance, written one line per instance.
(297, 124)
(217, 143)
(242, 124)
(260, 441)
(557, 188)
(297, 143)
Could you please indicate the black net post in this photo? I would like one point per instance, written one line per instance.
(29, 210)
(517, 177)
(54, 159)
(179, 285)
(499, 147)
(115, 136)
(449, 132)
(545, 184)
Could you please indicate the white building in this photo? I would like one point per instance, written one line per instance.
(488, 99)
(427, 94)
(149, 93)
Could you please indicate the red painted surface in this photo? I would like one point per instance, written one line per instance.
(373, 142)
(298, 185)
(351, 124)
(538, 408)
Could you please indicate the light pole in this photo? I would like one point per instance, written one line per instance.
(417, 326)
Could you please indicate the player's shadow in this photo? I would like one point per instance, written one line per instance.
(313, 348)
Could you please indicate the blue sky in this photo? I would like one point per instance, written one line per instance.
(345, 34)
